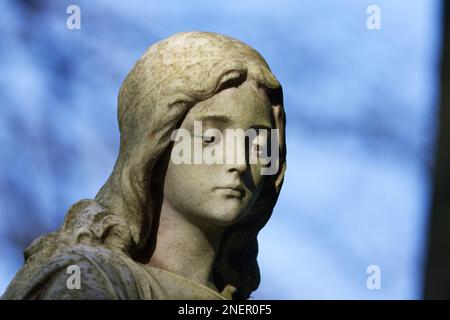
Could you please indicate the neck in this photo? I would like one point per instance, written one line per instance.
(185, 248)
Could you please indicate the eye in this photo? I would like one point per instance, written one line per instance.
(209, 139)
(257, 148)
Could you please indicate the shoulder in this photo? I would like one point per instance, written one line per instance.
(77, 272)
(87, 272)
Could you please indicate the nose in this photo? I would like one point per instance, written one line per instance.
(236, 158)
(237, 167)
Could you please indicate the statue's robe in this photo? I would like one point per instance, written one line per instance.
(104, 275)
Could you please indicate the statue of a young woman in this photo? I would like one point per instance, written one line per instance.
(164, 230)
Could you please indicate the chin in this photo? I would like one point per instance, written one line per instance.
(227, 214)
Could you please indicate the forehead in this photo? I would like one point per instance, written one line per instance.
(243, 107)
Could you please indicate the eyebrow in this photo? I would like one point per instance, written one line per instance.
(261, 126)
(219, 119)
(224, 121)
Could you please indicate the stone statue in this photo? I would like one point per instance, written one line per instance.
(164, 230)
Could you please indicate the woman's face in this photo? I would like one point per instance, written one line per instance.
(221, 193)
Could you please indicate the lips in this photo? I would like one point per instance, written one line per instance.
(233, 191)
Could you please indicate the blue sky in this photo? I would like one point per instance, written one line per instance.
(360, 108)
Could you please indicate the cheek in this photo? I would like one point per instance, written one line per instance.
(177, 180)
(257, 178)
(183, 189)
(187, 179)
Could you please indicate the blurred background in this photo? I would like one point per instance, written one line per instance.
(361, 105)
